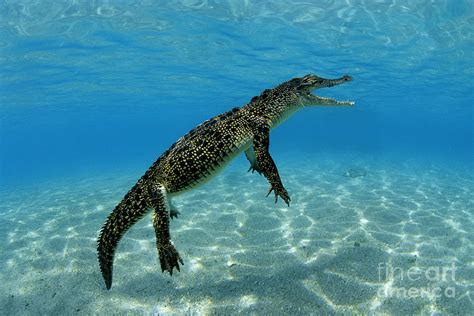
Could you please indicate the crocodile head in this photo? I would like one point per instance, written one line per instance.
(279, 103)
(306, 85)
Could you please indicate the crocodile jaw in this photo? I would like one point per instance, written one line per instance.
(310, 99)
(317, 100)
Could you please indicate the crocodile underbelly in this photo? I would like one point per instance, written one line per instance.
(198, 167)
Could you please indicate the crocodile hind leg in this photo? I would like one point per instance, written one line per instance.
(261, 143)
(174, 211)
(169, 256)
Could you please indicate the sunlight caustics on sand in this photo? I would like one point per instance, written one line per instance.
(345, 245)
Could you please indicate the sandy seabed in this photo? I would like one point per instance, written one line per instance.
(362, 237)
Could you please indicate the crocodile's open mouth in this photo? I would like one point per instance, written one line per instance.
(315, 82)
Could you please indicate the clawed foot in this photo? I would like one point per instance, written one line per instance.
(174, 213)
(280, 191)
(169, 258)
(254, 168)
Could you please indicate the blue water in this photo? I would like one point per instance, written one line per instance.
(92, 86)
(92, 89)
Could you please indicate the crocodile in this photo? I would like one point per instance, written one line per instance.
(200, 154)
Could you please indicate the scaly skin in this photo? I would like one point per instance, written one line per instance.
(199, 155)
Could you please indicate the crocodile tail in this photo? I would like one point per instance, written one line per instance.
(133, 207)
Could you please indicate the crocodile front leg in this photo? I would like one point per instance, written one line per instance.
(266, 165)
(250, 154)
(169, 256)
